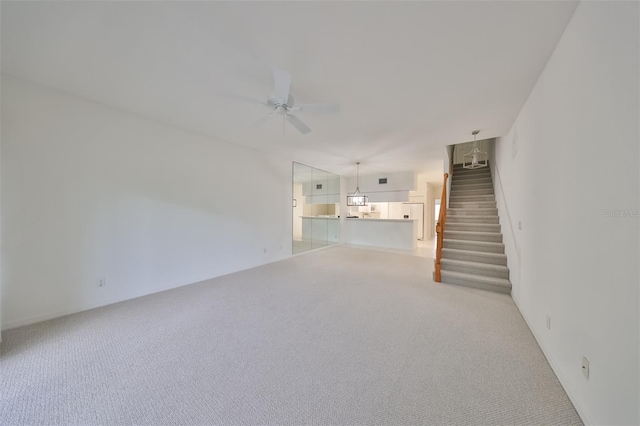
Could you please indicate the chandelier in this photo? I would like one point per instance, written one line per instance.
(357, 199)
(475, 158)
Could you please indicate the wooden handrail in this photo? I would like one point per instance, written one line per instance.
(442, 220)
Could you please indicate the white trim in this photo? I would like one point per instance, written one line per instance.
(53, 315)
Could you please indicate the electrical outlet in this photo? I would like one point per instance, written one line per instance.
(585, 367)
(548, 322)
(102, 282)
(264, 250)
(520, 225)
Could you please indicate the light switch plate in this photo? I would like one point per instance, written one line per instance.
(548, 322)
(585, 367)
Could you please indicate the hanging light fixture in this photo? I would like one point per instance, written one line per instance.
(475, 158)
(357, 199)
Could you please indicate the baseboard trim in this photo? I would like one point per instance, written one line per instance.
(580, 406)
(44, 317)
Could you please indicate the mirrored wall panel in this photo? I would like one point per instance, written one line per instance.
(316, 208)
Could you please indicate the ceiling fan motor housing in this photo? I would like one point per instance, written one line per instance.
(276, 102)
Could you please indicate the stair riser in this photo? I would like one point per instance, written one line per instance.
(457, 186)
(476, 256)
(473, 227)
(472, 212)
(459, 199)
(472, 205)
(457, 174)
(471, 186)
(472, 219)
(473, 284)
(470, 246)
(466, 269)
(471, 192)
(469, 178)
(459, 167)
(466, 236)
(476, 174)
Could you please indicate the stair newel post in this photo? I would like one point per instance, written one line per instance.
(440, 226)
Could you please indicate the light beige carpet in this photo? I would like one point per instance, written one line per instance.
(338, 336)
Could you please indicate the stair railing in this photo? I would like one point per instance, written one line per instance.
(440, 226)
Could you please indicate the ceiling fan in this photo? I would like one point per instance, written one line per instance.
(283, 103)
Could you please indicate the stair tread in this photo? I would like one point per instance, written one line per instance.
(476, 180)
(492, 228)
(472, 182)
(475, 243)
(460, 188)
(479, 210)
(463, 172)
(471, 197)
(477, 216)
(468, 224)
(502, 282)
(489, 235)
(475, 253)
(493, 225)
(453, 222)
(480, 265)
(455, 209)
(472, 192)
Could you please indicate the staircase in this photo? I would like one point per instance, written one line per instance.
(473, 252)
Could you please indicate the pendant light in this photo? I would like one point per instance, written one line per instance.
(357, 199)
(475, 158)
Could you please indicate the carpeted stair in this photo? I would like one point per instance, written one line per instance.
(473, 252)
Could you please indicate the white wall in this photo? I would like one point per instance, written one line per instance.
(397, 188)
(1, 251)
(89, 192)
(434, 192)
(571, 155)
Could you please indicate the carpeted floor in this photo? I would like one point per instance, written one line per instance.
(339, 336)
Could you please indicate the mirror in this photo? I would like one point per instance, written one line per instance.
(316, 208)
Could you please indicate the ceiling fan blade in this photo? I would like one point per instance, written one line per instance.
(242, 98)
(281, 84)
(302, 128)
(262, 120)
(319, 108)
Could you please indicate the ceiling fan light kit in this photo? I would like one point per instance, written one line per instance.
(283, 103)
(475, 158)
(357, 199)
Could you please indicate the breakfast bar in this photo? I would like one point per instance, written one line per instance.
(385, 233)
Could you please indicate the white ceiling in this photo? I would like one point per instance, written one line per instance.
(411, 77)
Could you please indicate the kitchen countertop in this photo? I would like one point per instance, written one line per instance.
(382, 220)
(319, 217)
